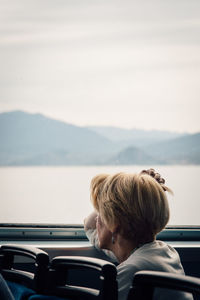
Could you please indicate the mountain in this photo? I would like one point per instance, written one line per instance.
(134, 137)
(35, 139)
(152, 147)
(182, 150)
(133, 156)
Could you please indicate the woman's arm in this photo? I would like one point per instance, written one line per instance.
(90, 229)
(90, 221)
(91, 233)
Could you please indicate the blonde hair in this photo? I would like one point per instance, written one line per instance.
(136, 203)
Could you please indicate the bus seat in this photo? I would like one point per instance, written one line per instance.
(24, 268)
(145, 282)
(73, 277)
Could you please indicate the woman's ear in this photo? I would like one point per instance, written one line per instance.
(115, 229)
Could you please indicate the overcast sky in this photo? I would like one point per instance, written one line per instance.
(133, 64)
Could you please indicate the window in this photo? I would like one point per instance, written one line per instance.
(96, 86)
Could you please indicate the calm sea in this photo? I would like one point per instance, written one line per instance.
(61, 194)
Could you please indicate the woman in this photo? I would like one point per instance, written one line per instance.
(130, 210)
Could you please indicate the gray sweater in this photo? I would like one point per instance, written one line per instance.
(155, 256)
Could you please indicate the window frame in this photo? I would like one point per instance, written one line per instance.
(71, 232)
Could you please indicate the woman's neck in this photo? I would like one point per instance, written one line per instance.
(123, 248)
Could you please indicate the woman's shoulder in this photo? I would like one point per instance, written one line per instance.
(156, 255)
(156, 246)
(156, 251)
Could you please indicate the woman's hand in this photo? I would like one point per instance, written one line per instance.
(90, 221)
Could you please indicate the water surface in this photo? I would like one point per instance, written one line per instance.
(61, 194)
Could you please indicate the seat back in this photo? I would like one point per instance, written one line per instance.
(66, 277)
(145, 282)
(21, 281)
(62, 284)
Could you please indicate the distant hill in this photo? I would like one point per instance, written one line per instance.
(133, 156)
(33, 139)
(182, 150)
(134, 137)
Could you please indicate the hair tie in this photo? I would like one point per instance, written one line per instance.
(151, 172)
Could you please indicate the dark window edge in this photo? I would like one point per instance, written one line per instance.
(38, 232)
(52, 232)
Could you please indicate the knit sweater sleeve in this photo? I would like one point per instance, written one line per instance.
(93, 238)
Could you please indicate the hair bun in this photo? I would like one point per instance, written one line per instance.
(155, 175)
